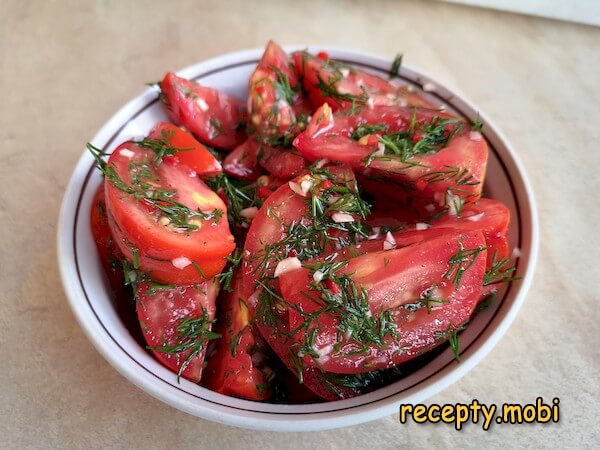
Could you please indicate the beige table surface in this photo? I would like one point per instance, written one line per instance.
(65, 67)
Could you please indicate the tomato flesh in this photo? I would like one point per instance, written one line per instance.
(214, 117)
(169, 253)
(163, 313)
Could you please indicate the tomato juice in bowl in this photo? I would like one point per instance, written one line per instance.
(115, 337)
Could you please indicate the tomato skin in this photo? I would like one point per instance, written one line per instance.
(212, 116)
(135, 225)
(110, 255)
(354, 82)
(161, 312)
(242, 162)
(328, 136)
(393, 278)
(281, 163)
(196, 156)
(231, 370)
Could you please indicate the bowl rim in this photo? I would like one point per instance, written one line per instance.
(296, 421)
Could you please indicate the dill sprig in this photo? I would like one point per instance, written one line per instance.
(460, 262)
(283, 90)
(499, 272)
(365, 130)
(193, 333)
(364, 381)
(396, 65)
(226, 276)
(477, 124)
(426, 300)
(433, 136)
(452, 335)
(459, 176)
(240, 196)
(455, 345)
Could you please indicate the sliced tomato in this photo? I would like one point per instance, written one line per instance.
(417, 284)
(343, 86)
(281, 163)
(242, 162)
(272, 222)
(214, 117)
(176, 322)
(165, 222)
(110, 255)
(458, 168)
(194, 155)
(271, 225)
(238, 366)
(274, 92)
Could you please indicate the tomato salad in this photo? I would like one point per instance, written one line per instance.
(307, 244)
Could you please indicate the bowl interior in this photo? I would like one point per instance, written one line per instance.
(89, 294)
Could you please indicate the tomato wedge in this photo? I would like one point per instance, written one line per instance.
(238, 366)
(281, 163)
(176, 322)
(273, 94)
(269, 239)
(214, 117)
(342, 86)
(281, 229)
(433, 154)
(412, 298)
(195, 155)
(242, 162)
(165, 222)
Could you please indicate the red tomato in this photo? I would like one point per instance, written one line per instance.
(459, 166)
(176, 322)
(338, 84)
(281, 163)
(236, 368)
(402, 281)
(270, 226)
(195, 155)
(109, 252)
(212, 116)
(273, 92)
(242, 162)
(165, 222)
(271, 223)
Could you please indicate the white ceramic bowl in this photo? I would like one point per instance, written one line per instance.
(88, 293)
